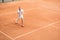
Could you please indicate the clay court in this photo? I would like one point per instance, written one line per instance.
(41, 20)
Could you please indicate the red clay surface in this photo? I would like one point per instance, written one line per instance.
(41, 20)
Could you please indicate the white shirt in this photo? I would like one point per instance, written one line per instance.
(20, 12)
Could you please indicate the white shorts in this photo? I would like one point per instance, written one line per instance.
(21, 16)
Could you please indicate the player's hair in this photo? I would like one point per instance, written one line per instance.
(19, 8)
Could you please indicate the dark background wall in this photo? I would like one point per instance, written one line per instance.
(7, 0)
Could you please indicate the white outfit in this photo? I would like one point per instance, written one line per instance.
(20, 13)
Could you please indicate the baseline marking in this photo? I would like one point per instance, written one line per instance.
(6, 35)
(36, 30)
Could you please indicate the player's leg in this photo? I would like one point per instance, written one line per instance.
(22, 21)
(17, 20)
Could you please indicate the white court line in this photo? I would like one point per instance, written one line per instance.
(36, 30)
(56, 27)
(6, 35)
(52, 21)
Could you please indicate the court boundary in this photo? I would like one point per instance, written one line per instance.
(30, 31)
